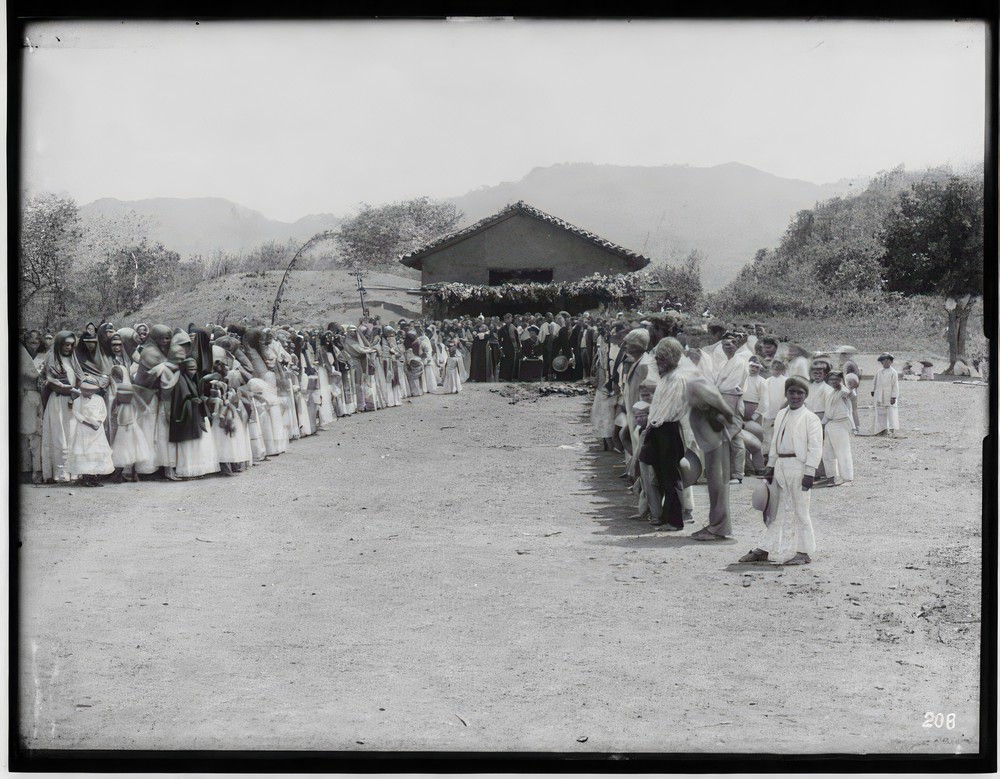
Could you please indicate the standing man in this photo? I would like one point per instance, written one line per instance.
(837, 459)
(886, 393)
(731, 378)
(796, 451)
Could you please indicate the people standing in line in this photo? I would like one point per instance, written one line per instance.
(885, 391)
(796, 451)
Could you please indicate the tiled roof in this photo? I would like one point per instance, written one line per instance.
(414, 259)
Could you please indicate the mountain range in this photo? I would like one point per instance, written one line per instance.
(727, 212)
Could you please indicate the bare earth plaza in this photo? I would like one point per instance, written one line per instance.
(646, 452)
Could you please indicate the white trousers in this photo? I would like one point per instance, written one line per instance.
(886, 417)
(837, 458)
(791, 530)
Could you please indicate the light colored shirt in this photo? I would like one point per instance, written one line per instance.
(670, 403)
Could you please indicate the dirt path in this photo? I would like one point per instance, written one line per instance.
(460, 574)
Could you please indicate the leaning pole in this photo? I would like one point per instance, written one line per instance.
(324, 236)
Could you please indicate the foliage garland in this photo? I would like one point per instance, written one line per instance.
(621, 290)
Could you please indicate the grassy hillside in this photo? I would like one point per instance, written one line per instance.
(310, 297)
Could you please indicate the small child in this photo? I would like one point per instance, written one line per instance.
(130, 449)
(886, 392)
(90, 455)
(453, 370)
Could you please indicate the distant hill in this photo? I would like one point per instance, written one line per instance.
(192, 226)
(310, 297)
(727, 211)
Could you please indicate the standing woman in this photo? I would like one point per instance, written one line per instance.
(62, 377)
(431, 379)
(153, 385)
(481, 368)
(31, 408)
(387, 360)
(509, 341)
(273, 430)
(190, 429)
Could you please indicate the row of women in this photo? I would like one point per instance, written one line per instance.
(186, 403)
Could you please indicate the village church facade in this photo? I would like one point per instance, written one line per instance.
(520, 244)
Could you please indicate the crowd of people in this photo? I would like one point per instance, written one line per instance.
(111, 404)
(106, 404)
(743, 404)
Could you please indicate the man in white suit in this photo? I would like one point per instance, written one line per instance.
(796, 451)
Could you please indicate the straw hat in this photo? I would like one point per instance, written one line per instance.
(560, 363)
(852, 380)
(691, 468)
(845, 350)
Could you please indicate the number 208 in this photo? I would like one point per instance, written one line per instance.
(939, 720)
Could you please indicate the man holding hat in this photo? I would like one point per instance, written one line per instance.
(796, 451)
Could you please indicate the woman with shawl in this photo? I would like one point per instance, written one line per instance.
(361, 358)
(482, 356)
(130, 450)
(31, 407)
(152, 390)
(378, 361)
(331, 399)
(267, 408)
(452, 370)
(96, 366)
(190, 428)
(273, 431)
(130, 345)
(310, 397)
(62, 377)
(279, 360)
(414, 371)
(426, 351)
(395, 380)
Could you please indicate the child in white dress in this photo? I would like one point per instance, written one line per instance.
(90, 455)
(453, 370)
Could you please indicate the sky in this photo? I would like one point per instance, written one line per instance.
(294, 118)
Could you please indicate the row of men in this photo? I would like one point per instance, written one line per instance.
(729, 402)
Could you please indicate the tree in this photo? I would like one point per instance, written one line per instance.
(124, 280)
(934, 244)
(377, 236)
(49, 242)
(681, 282)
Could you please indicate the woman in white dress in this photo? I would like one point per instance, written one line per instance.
(190, 425)
(273, 428)
(453, 371)
(62, 375)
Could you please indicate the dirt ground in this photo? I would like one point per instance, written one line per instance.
(461, 574)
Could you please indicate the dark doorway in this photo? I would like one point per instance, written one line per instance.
(520, 276)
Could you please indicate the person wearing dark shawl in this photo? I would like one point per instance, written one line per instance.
(190, 429)
(141, 333)
(577, 349)
(104, 332)
(202, 339)
(482, 366)
(509, 352)
(62, 377)
(95, 365)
